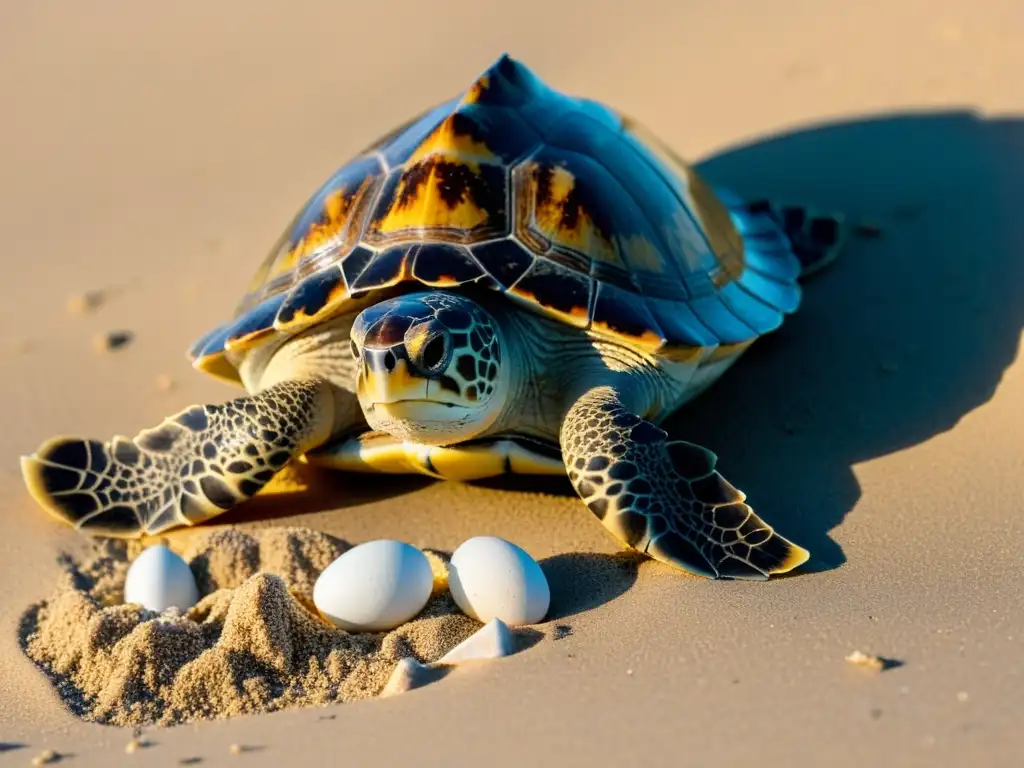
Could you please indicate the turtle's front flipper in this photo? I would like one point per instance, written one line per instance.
(196, 464)
(664, 497)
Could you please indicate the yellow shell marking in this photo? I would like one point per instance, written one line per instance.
(549, 215)
(300, 319)
(452, 146)
(473, 94)
(578, 316)
(648, 341)
(337, 208)
(418, 203)
(218, 366)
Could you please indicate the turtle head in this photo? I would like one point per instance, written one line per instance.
(429, 367)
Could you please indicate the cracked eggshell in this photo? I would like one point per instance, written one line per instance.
(374, 587)
(493, 641)
(159, 579)
(491, 578)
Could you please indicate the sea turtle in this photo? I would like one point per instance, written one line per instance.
(516, 280)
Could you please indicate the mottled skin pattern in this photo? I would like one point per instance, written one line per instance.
(517, 280)
(194, 465)
(665, 497)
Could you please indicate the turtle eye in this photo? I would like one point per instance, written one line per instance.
(434, 352)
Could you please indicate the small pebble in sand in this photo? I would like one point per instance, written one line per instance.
(135, 745)
(408, 675)
(112, 341)
(236, 749)
(864, 660)
(165, 383)
(44, 757)
(629, 672)
(962, 696)
(562, 631)
(88, 301)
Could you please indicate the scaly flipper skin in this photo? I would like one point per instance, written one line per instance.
(664, 497)
(472, 460)
(195, 465)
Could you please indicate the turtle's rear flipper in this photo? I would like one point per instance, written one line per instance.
(814, 236)
(817, 237)
(195, 465)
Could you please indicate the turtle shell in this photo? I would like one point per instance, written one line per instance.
(564, 205)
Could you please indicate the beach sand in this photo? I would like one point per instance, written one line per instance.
(155, 153)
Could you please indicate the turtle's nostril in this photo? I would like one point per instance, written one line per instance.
(389, 361)
(434, 352)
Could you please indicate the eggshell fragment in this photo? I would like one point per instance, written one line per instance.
(491, 578)
(408, 675)
(159, 579)
(374, 587)
(491, 642)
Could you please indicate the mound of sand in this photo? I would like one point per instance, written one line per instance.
(252, 644)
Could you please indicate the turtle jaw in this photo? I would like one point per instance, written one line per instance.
(419, 410)
(426, 422)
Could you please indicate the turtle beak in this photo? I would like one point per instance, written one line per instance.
(386, 377)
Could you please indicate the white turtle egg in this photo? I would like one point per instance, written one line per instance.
(374, 587)
(491, 578)
(159, 579)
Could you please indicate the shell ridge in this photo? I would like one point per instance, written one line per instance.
(597, 254)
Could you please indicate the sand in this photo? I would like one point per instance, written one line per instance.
(253, 643)
(163, 149)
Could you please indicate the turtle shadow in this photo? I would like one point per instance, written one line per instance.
(550, 485)
(908, 332)
(325, 490)
(582, 581)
